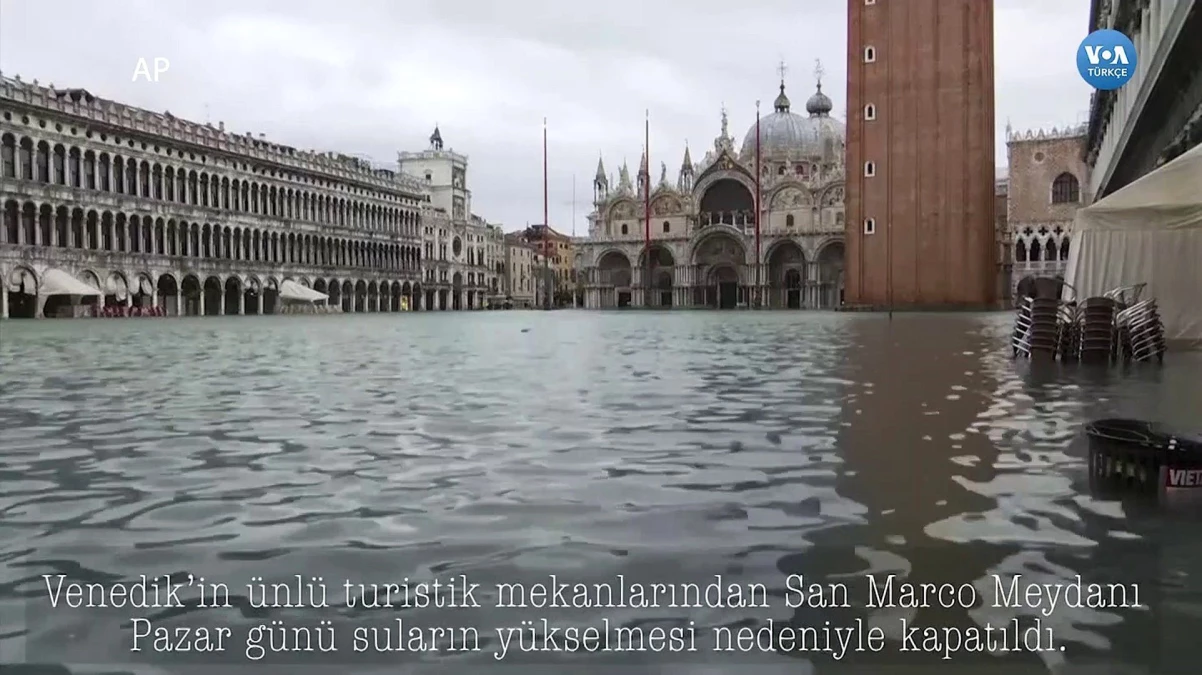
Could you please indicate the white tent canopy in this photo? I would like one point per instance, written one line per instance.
(1147, 232)
(294, 292)
(58, 282)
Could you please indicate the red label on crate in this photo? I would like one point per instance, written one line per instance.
(1184, 478)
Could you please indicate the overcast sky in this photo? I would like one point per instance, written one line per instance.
(374, 76)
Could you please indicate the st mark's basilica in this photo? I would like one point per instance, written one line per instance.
(702, 239)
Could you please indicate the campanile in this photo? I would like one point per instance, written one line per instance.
(920, 154)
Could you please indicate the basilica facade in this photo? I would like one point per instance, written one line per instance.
(703, 248)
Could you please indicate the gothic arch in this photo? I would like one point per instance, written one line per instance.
(1066, 189)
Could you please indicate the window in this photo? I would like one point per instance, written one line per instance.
(869, 54)
(789, 222)
(667, 227)
(869, 169)
(869, 226)
(625, 229)
(870, 112)
(1066, 189)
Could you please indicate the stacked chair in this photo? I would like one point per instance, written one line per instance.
(1037, 328)
(1117, 327)
(1093, 332)
(1138, 327)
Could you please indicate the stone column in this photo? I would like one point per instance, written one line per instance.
(200, 303)
(221, 304)
(3, 299)
(242, 303)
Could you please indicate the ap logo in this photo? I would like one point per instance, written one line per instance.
(1106, 59)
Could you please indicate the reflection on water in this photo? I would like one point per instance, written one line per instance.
(666, 447)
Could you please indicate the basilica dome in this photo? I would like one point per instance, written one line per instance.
(787, 134)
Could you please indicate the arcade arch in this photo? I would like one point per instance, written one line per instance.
(720, 270)
(786, 275)
(663, 275)
(828, 292)
(615, 277)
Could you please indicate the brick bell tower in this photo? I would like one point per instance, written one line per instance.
(920, 155)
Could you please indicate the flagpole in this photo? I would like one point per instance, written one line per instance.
(758, 210)
(546, 228)
(647, 206)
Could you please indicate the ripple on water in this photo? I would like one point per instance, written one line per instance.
(663, 445)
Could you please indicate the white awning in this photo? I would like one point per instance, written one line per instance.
(290, 290)
(1147, 232)
(58, 282)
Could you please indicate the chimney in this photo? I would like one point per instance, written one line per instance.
(221, 126)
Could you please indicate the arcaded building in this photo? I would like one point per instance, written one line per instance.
(158, 211)
(1157, 115)
(920, 155)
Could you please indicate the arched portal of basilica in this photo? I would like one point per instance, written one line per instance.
(720, 265)
(703, 251)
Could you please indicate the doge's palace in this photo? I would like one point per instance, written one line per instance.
(160, 212)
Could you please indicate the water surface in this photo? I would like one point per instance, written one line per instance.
(513, 445)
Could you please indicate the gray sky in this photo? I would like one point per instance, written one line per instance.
(374, 76)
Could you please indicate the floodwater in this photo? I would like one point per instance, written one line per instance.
(510, 446)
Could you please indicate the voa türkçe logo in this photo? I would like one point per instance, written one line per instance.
(1106, 59)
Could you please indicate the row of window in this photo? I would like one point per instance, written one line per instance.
(84, 169)
(869, 116)
(474, 279)
(236, 163)
(70, 227)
